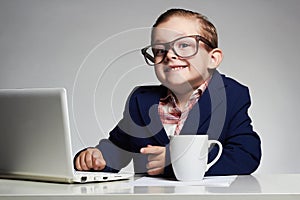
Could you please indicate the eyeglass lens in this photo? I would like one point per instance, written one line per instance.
(183, 47)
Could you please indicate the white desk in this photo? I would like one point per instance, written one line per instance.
(272, 186)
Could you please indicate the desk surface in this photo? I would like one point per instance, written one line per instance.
(259, 186)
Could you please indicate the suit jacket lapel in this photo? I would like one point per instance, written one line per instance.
(148, 105)
(210, 107)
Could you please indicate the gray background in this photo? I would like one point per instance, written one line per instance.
(92, 48)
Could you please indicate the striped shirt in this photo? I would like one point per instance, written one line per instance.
(170, 114)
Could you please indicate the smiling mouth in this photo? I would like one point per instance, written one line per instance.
(175, 68)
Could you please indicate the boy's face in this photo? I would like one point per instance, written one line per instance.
(176, 73)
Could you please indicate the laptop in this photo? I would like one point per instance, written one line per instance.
(35, 140)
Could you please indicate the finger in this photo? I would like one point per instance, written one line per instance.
(98, 160)
(155, 171)
(152, 150)
(154, 164)
(77, 163)
(156, 157)
(91, 156)
(89, 160)
(82, 161)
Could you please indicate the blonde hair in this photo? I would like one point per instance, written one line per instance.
(208, 30)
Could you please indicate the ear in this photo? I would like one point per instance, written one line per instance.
(216, 57)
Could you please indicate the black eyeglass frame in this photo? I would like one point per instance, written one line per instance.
(170, 45)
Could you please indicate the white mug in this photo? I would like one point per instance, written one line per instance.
(189, 155)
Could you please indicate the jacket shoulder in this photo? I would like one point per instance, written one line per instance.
(228, 81)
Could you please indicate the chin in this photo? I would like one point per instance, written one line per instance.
(179, 87)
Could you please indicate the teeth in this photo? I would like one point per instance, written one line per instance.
(176, 68)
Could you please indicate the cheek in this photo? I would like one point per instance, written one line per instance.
(158, 72)
(199, 68)
(199, 63)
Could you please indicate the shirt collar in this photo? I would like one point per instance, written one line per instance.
(170, 97)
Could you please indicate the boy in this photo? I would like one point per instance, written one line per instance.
(193, 99)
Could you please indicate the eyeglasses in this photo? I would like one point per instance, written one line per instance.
(183, 47)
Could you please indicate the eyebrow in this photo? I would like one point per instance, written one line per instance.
(175, 37)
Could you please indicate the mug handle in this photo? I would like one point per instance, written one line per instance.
(210, 142)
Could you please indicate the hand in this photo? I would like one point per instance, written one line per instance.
(156, 159)
(90, 158)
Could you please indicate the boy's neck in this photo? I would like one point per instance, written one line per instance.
(183, 92)
(182, 99)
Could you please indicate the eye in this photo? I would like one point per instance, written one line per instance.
(158, 51)
(183, 45)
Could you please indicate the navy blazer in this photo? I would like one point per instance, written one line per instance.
(221, 113)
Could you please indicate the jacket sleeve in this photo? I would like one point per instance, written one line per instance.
(114, 154)
(117, 149)
(241, 145)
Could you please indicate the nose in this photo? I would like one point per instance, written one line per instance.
(170, 55)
